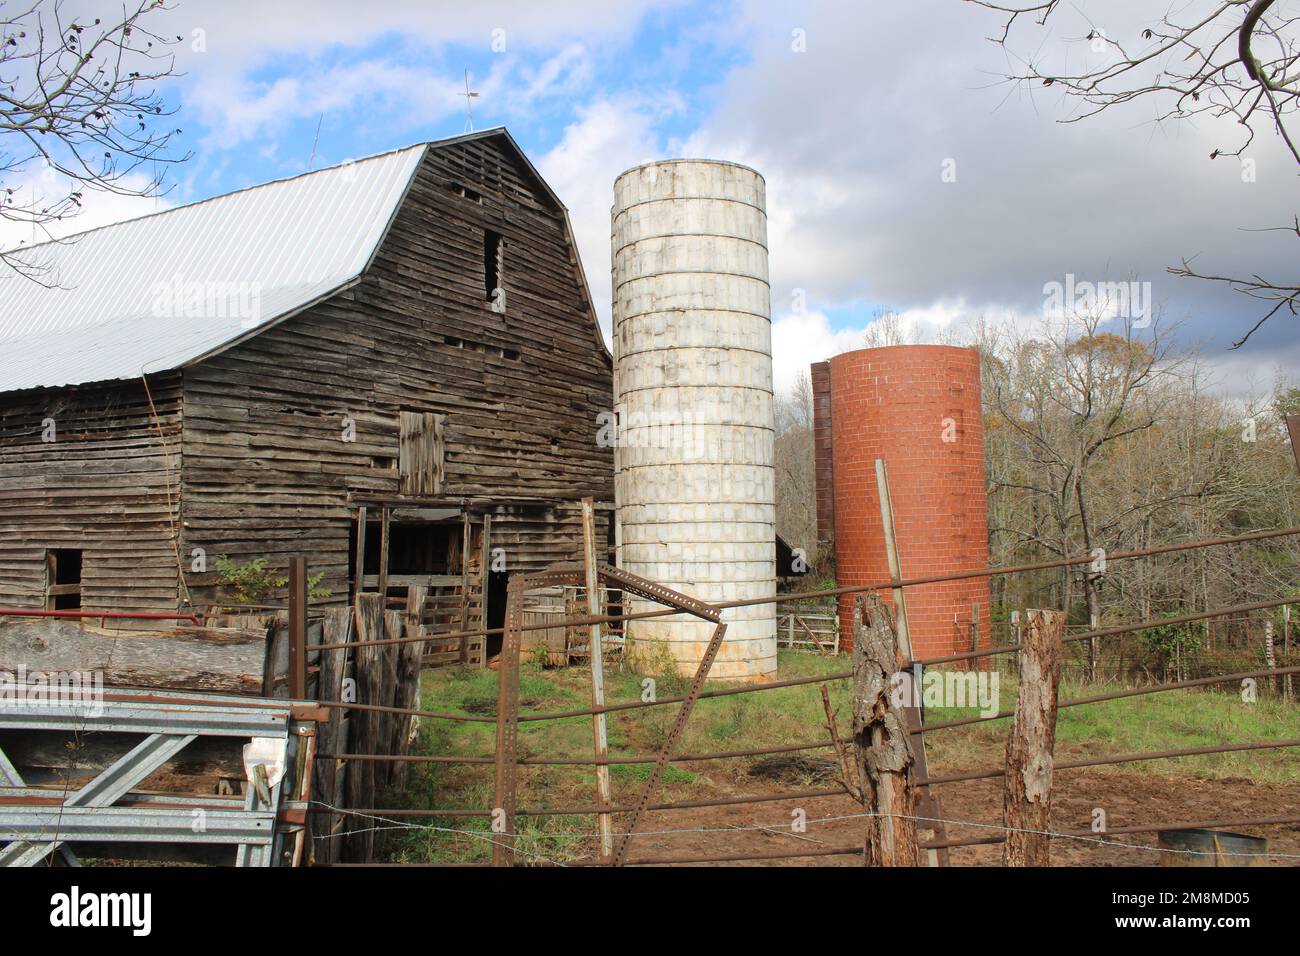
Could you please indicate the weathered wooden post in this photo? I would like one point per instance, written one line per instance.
(407, 690)
(298, 627)
(364, 725)
(331, 736)
(595, 655)
(1027, 796)
(880, 737)
(507, 755)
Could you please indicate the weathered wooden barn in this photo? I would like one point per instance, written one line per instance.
(391, 366)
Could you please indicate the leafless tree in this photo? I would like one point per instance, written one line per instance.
(77, 104)
(1237, 60)
(1060, 403)
(796, 485)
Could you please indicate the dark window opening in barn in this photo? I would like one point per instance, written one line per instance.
(63, 576)
(493, 248)
(415, 550)
(465, 191)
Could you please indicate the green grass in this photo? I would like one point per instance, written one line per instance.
(782, 716)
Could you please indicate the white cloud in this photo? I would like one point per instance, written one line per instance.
(608, 138)
(801, 338)
(852, 136)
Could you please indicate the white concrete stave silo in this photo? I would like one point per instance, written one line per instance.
(695, 479)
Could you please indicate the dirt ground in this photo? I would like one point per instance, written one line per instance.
(1128, 799)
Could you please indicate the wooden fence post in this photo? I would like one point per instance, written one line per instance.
(298, 627)
(407, 691)
(390, 725)
(507, 750)
(1027, 796)
(880, 736)
(330, 736)
(595, 654)
(364, 725)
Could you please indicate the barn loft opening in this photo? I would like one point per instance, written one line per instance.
(63, 590)
(462, 190)
(492, 251)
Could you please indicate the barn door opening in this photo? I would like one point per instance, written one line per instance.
(498, 581)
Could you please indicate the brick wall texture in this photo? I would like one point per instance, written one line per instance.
(918, 408)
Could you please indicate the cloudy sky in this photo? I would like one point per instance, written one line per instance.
(853, 111)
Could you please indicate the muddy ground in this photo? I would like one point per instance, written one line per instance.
(1128, 799)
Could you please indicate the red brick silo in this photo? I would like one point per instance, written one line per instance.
(917, 407)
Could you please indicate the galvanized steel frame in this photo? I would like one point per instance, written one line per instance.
(268, 829)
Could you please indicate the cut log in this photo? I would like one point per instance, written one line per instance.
(192, 658)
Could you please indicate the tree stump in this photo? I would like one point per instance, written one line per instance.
(1027, 795)
(881, 739)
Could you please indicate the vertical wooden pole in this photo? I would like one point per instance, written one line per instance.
(891, 553)
(487, 582)
(359, 571)
(1027, 797)
(1015, 638)
(384, 516)
(407, 692)
(464, 583)
(393, 623)
(298, 627)
(330, 736)
(881, 739)
(1094, 648)
(507, 743)
(604, 821)
(1286, 650)
(929, 802)
(363, 725)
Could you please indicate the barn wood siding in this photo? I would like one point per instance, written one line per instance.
(102, 487)
(267, 470)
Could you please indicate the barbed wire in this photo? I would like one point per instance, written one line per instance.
(782, 827)
(486, 837)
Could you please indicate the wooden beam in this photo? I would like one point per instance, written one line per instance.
(359, 572)
(384, 517)
(486, 571)
(464, 585)
(298, 627)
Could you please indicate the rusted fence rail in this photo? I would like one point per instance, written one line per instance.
(507, 761)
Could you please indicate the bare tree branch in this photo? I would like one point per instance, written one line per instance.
(1237, 60)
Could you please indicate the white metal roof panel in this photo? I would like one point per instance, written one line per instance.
(164, 290)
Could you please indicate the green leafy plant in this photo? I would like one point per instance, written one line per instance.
(252, 581)
(1164, 643)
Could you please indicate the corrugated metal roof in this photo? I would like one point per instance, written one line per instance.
(164, 290)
